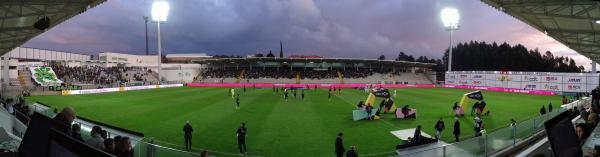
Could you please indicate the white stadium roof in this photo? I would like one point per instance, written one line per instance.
(571, 22)
(17, 18)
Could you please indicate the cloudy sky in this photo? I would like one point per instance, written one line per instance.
(331, 28)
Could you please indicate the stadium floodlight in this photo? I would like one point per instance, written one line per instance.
(450, 18)
(597, 21)
(160, 11)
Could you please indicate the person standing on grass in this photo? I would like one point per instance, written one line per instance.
(456, 129)
(187, 130)
(329, 96)
(237, 102)
(302, 94)
(339, 145)
(295, 92)
(241, 137)
(417, 135)
(439, 127)
(369, 110)
(478, 125)
(542, 110)
(285, 94)
(550, 107)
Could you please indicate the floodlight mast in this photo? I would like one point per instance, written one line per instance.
(160, 12)
(450, 18)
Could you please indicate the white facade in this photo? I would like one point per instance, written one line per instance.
(44, 55)
(112, 59)
(180, 72)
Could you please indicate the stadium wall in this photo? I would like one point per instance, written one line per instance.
(531, 81)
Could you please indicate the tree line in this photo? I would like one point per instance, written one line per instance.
(482, 56)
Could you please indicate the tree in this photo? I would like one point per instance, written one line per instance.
(481, 56)
(270, 54)
(382, 57)
(259, 55)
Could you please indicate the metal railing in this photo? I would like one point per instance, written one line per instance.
(493, 142)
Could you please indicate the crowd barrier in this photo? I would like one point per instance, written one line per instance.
(118, 89)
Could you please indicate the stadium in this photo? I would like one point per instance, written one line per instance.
(72, 103)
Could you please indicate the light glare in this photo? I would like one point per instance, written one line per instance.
(160, 11)
(450, 17)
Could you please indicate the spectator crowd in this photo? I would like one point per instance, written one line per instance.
(286, 73)
(100, 75)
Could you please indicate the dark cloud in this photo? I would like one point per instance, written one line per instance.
(333, 28)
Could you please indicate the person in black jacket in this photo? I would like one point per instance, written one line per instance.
(417, 135)
(352, 152)
(66, 117)
(187, 130)
(542, 110)
(241, 136)
(339, 146)
(439, 127)
(456, 131)
(550, 107)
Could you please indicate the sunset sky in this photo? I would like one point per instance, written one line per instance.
(331, 28)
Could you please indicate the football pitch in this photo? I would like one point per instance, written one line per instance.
(294, 127)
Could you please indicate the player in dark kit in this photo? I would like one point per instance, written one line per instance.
(329, 95)
(237, 102)
(302, 94)
(241, 136)
(285, 94)
(295, 92)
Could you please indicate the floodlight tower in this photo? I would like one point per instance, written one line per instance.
(450, 18)
(160, 11)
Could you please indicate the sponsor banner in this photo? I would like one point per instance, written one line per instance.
(475, 95)
(558, 82)
(592, 80)
(574, 87)
(477, 76)
(92, 91)
(508, 90)
(355, 85)
(381, 92)
(531, 86)
(118, 89)
(529, 78)
(552, 79)
(476, 82)
(450, 81)
(572, 79)
(551, 86)
(171, 85)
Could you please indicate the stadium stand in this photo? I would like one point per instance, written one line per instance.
(314, 76)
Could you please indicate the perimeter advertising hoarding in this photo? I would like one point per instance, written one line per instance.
(558, 82)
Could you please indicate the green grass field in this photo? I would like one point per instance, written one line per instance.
(286, 128)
